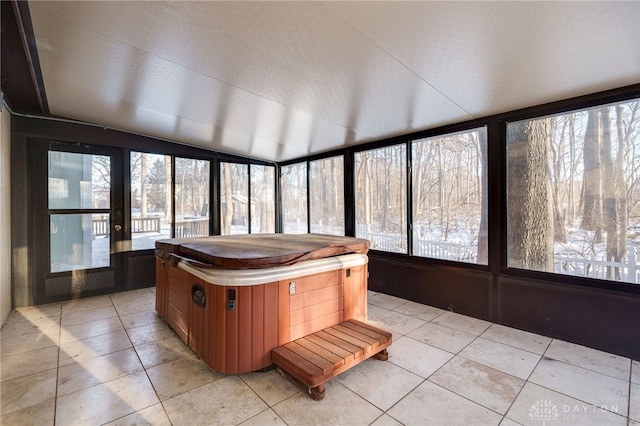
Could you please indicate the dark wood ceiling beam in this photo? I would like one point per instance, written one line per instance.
(22, 83)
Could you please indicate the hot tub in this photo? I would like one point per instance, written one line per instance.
(233, 299)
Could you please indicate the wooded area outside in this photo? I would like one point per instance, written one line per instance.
(573, 188)
(241, 209)
(151, 177)
(326, 196)
(293, 196)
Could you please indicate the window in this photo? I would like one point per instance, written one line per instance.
(150, 199)
(450, 197)
(326, 196)
(573, 193)
(263, 204)
(381, 194)
(234, 198)
(293, 182)
(79, 199)
(191, 198)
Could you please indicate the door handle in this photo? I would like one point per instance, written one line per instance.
(117, 227)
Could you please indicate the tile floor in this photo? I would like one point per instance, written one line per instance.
(111, 360)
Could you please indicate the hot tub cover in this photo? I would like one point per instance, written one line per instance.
(256, 250)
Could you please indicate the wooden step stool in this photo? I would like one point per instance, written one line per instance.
(312, 360)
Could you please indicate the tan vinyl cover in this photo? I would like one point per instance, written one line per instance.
(257, 250)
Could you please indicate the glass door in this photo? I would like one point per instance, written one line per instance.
(84, 217)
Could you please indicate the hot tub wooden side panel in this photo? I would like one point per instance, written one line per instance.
(355, 292)
(238, 337)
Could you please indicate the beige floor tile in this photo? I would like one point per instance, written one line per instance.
(27, 363)
(417, 357)
(392, 321)
(226, 401)
(592, 359)
(635, 371)
(38, 414)
(91, 372)
(535, 405)
(140, 304)
(439, 336)
(85, 349)
(418, 310)
(86, 303)
(13, 345)
(586, 385)
(501, 357)
(128, 296)
(106, 402)
(70, 333)
(386, 420)
(488, 387)
(28, 391)
(150, 333)
(462, 323)
(49, 326)
(270, 386)
(384, 300)
(634, 402)
(508, 422)
(150, 416)
(87, 315)
(139, 319)
(266, 418)
(35, 313)
(517, 338)
(163, 351)
(339, 407)
(180, 376)
(379, 382)
(431, 404)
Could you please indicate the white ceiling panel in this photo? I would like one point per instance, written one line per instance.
(282, 80)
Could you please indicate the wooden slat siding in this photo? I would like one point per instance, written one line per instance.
(343, 353)
(257, 326)
(283, 312)
(219, 323)
(356, 350)
(244, 351)
(347, 293)
(270, 322)
(232, 336)
(178, 300)
(314, 311)
(325, 366)
(332, 357)
(355, 293)
(314, 325)
(301, 300)
(196, 325)
(368, 330)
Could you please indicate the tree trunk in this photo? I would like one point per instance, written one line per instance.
(530, 213)
(592, 183)
(228, 199)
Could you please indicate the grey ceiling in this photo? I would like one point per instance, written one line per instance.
(281, 80)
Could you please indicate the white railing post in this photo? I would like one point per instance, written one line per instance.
(632, 265)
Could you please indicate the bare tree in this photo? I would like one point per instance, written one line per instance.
(530, 214)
